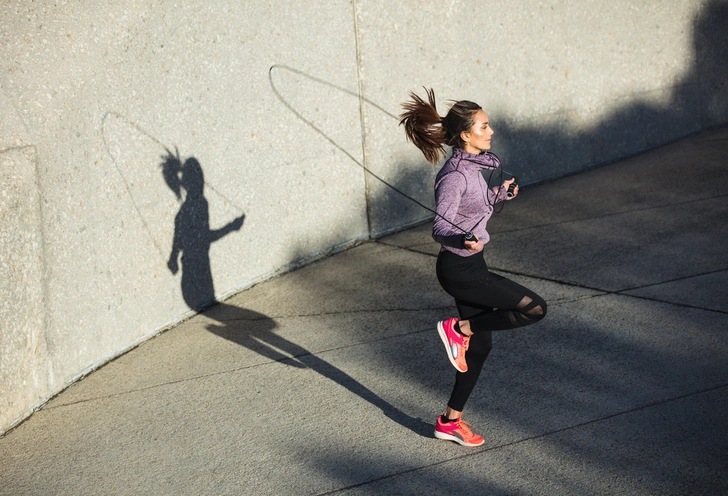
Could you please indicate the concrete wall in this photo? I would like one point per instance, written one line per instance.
(277, 105)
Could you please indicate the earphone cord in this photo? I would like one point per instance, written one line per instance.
(486, 201)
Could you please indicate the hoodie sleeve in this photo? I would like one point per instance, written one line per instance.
(448, 194)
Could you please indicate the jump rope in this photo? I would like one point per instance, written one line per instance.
(469, 236)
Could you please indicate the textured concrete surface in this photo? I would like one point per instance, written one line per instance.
(23, 352)
(327, 380)
(102, 91)
(279, 106)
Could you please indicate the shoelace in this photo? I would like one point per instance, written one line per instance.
(465, 426)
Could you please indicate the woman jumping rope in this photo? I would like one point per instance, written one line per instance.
(485, 301)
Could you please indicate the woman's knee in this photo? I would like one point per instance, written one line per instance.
(532, 308)
(539, 311)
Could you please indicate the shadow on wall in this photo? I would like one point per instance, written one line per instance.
(192, 233)
(699, 101)
(253, 330)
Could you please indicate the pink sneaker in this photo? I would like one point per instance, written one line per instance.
(455, 343)
(458, 431)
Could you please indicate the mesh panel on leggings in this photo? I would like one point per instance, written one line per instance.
(527, 312)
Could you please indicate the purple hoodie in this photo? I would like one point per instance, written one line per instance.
(463, 197)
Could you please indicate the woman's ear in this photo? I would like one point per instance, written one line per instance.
(465, 136)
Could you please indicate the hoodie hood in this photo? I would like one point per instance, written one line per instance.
(482, 160)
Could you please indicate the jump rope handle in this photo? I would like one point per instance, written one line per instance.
(512, 187)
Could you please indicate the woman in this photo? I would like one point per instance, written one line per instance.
(485, 301)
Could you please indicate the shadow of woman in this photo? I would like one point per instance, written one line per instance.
(253, 330)
(192, 233)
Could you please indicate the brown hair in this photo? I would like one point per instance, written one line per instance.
(428, 131)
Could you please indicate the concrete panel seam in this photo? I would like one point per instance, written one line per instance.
(362, 164)
(361, 110)
(44, 310)
(612, 214)
(621, 292)
(45, 287)
(667, 302)
(18, 114)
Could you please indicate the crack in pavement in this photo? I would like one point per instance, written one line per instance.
(675, 280)
(622, 292)
(237, 369)
(325, 314)
(602, 291)
(610, 214)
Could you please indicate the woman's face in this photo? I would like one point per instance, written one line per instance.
(478, 138)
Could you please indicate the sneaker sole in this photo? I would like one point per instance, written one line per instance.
(443, 338)
(450, 437)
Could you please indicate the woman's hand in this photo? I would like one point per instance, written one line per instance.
(506, 185)
(172, 264)
(473, 246)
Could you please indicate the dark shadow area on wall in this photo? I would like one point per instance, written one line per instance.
(698, 101)
(253, 330)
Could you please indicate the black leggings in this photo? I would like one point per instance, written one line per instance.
(490, 303)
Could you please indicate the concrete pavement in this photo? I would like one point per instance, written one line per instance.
(327, 380)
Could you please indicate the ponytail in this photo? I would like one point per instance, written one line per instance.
(429, 132)
(178, 175)
(172, 172)
(423, 125)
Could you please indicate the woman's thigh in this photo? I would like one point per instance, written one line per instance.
(500, 293)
